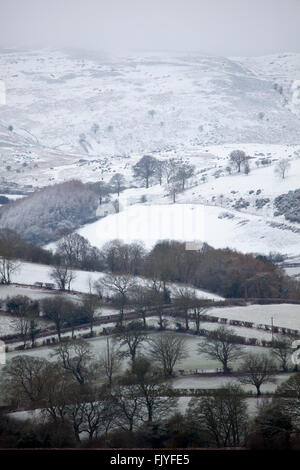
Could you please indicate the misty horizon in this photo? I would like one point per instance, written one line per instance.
(216, 28)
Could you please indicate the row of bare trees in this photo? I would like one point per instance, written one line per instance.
(222, 271)
(255, 368)
(239, 160)
(174, 172)
(90, 394)
(94, 398)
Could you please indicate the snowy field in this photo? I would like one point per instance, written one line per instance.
(284, 315)
(189, 364)
(206, 212)
(193, 361)
(32, 293)
(29, 273)
(218, 382)
(190, 222)
(253, 405)
(239, 330)
(8, 325)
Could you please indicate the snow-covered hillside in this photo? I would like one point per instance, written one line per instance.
(29, 273)
(225, 210)
(86, 116)
(65, 107)
(189, 222)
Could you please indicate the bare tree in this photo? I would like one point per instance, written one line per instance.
(167, 350)
(145, 168)
(161, 267)
(272, 426)
(89, 307)
(63, 276)
(72, 315)
(184, 299)
(221, 346)
(125, 258)
(156, 395)
(222, 417)
(282, 167)
(256, 370)
(8, 267)
(159, 172)
(75, 357)
(22, 327)
(158, 301)
(140, 299)
(61, 400)
(110, 362)
(102, 189)
(281, 348)
(73, 248)
(119, 284)
(170, 168)
(56, 309)
(199, 309)
(33, 331)
(24, 323)
(132, 336)
(117, 181)
(24, 379)
(59, 391)
(88, 412)
(184, 172)
(174, 187)
(98, 414)
(237, 159)
(289, 395)
(128, 405)
(22, 306)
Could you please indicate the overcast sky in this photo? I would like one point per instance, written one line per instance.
(217, 27)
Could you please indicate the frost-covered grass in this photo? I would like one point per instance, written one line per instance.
(221, 381)
(8, 325)
(193, 361)
(239, 330)
(32, 293)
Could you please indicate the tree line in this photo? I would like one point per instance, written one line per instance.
(84, 401)
(226, 272)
